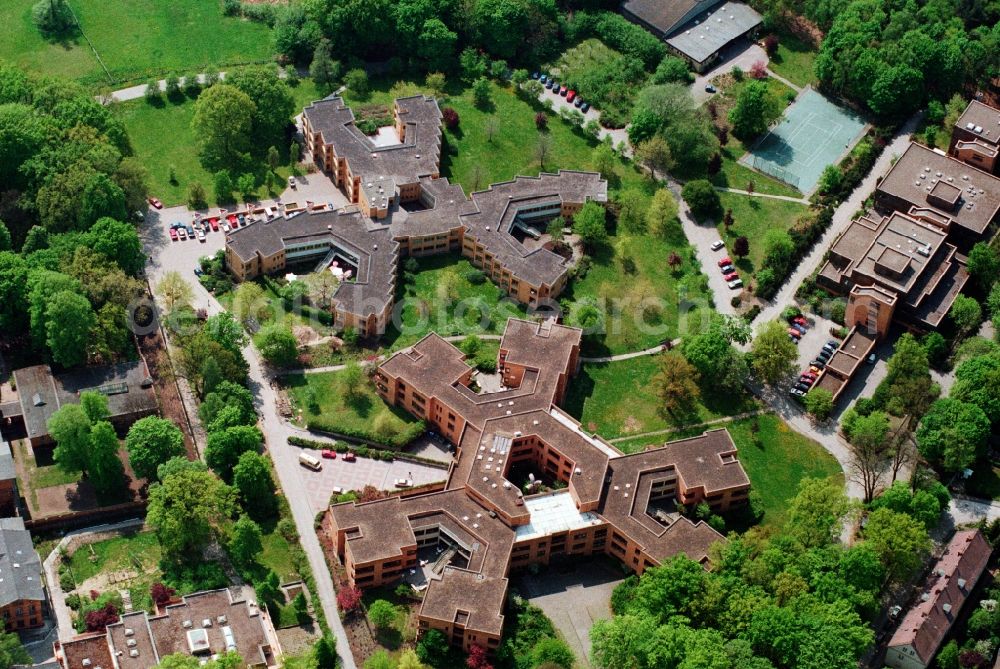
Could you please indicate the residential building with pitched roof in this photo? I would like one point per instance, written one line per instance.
(400, 208)
(920, 633)
(203, 625)
(23, 602)
(459, 545)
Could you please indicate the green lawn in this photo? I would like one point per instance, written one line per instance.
(752, 218)
(616, 399)
(794, 60)
(136, 39)
(584, 56)
(162, 137)
(441, 298)
(776, 460)
(127, 562)
(330, 407)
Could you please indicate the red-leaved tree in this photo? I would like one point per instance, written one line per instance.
(541, 121)
(450, 117)
(758, 70)
(97, 621)
(477, 658)
(771, 44)
(348, 598)
(161, 594)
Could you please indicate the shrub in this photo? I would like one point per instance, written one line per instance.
(450, 117)
(541, 120)
(701, 198)
(771, 44)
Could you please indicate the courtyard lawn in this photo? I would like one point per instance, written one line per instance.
(776, 459)
(752, 218)
(794, 60)
(136, 39)
(324, 402)
(616, 399)
(162, 138)
(126, 562)
(449, 296)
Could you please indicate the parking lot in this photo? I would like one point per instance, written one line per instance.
(356, 475)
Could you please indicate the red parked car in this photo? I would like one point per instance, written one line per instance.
(570, 95)
(155, 203)
(349, 457)
(328, 454)
(732, 276)
(801, 320)
(173, 235)
(808, 375)
(214, 222)
(795, 333)
(725, 261)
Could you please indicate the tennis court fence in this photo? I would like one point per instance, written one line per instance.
(769, 168)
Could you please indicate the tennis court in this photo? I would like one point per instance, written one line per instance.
(812, 134)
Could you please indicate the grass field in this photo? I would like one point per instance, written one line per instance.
(776, 459)
(794, 60)
(616, 399)
(135, 38)
(752, 218)
(331, 401)
(135, 557)
(586, 55)
(162, 138)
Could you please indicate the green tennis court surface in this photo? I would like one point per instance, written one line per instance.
(813, 133)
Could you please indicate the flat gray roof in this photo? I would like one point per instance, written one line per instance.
(703, 36)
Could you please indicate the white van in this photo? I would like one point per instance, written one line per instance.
(310, 461)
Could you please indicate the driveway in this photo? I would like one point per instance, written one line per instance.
(319, 486)
(573, 595)
(741, 53)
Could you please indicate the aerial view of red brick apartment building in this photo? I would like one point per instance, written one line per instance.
(948, 586)
(23, 602)
(203, 625)
(460, 544)
(904, 262)
(401, 208)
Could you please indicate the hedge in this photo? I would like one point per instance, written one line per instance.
(364, 451)
(402, 438)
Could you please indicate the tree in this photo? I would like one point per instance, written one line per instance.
(348, 598)
(224, 448)
(435, 83)
(94, 405)
(655, 154)
(966, 314)
(436, 44)
(245, 544)
(223, 184)
(70, 429)
(773, 353)
(325, 652)
(249, 302)
(100, 197)
(953, 434)
(247, 185)
(481, 93)
(356, 81)
(277, 345)
(70, 319)
(662, 212)
(161, 594)
(174, 291)
(150, 442)
(269, 591)
(408, 660)
(815, 513)
(543, 146)
(223, 119)
(490, 128)
(172, 87)
(197, 198)
(741, 247)
(541, 121)
(5, 241)
(589, 225)
(831, 179)
(186, 510)
(753, 112)
(907, 388)
(226, 330)
(252, 479)
(631, 210)
(676, 386)
(867, 436)
(977, 381)
(552, 652)
(53, 18)
(380, 659)
(701, 198)
(153, 94)
(450, 118)
(779, 249)
(432, 648)
(104, 468)
(382, 614)
(323, 69)
(273, 102)
(819, 402)
(900, 541)
(118, 242)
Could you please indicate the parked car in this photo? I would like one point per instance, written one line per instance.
(732, 276)
(814, 369)
(578, 102)
(570, 95)
(310, 461)
(818, 364)
(155, 203)
(173, 234)
(182, 233)
(403, 483)
(871, 359)
(801, 386)
(329, 454)
(832, 344)
(534, 75)
(801, 321)
(291, 182)
(201, 236)
(215, 225)
(225, 227)
(543, 78)
(800, 328)
(585, 107)
(717, 244)
(735, 283)
(709, 88)
(725, 261)
(809, 375)
(563, 90)
(349, 457)
(796, 393)
(824, 356)
(792, 332)
(549, 84)
(806, 381)
(198, 272)
(727, 269)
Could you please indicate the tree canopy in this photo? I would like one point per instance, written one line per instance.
(151, 441)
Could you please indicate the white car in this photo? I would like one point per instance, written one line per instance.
(225, 227)
(717, 244)
(201, 236)
(735, 283)
(403, 483)
(291, 182)
(182, 233)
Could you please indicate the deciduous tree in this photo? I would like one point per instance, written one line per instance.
(953, 434)
(773, 352)
(186, 510)
(151, 441)
(252, 479)
(676, 386)
(224, 448)
(223, 120)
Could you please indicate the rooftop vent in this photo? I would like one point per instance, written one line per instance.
(946, 608)
(186, 624)
(37, 400)
(961, 583)
(131, 643)
(133, 653)
(970, 126)
(129, 631)
(86, 662)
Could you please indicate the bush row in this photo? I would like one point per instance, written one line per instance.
(398, 440)
(362, 451)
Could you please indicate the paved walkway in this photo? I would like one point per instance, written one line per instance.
(787, 198)
(670, 430)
